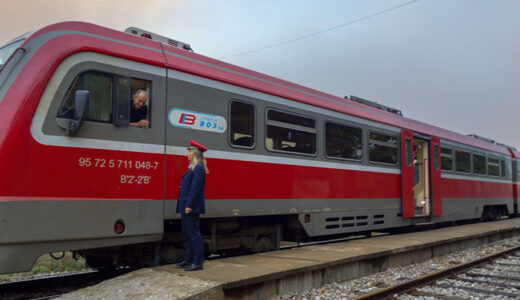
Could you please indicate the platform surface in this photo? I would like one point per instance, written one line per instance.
(225, 273)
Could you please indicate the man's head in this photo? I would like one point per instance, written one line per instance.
(139, 99)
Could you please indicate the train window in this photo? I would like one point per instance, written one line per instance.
(242, 124)
(508, 165)
(124, 93)
(382, 148)
(479, 164)
(278, 116)
(291, 133)
(462, 161)
(446, 159)
(100, 86)
(408, 152)
(502, 168)
(343, 141)
(436, 157)
(143, 85)
(66, 107)
(493, 166)
(110, 96)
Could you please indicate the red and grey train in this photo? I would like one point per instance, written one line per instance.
(286, 162)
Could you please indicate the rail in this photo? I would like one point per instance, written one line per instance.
(432, 277)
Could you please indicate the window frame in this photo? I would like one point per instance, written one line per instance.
(448, 155)
(473, 164)
(363, 148)
(408, 156)
(436, 159)
(503, 167)
(80, 81)
(255, 135)
(380, 143)
(470, 171)
(115, 94)
(493, 164)
(509, 167)
(294, 127)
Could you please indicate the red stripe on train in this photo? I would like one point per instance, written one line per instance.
(229, 179)
(457, 188)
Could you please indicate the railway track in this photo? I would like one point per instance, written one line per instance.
(49, 287)
(54, 286)
(495, 276)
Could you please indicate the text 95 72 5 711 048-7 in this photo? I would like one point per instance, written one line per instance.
(90, 162)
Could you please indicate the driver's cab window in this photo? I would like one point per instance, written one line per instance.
(114, 98)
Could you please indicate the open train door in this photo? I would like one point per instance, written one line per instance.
(436, 176)
(407, 175)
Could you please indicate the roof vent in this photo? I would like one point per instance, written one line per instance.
(507, 146)
(374, 104)
(482, 138)
(159, 38)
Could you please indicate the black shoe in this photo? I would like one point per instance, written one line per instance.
(183, 264)
(193, 267)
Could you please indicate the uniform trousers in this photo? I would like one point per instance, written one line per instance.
(191, 231)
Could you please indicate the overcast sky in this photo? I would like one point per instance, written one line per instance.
(451, 63)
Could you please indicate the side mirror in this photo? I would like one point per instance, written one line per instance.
(81, 108)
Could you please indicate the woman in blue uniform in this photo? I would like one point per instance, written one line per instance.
(190, 204)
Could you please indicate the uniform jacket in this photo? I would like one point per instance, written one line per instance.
(191, 191)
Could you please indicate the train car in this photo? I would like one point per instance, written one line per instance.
(286, 162)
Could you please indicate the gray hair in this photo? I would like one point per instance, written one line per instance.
(140, 91)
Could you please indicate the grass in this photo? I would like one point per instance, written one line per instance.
(47, 264)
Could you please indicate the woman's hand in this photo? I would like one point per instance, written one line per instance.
(187, 210)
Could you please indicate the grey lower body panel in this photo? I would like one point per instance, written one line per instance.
(266, 207)
(21, 257)
(352, 221)
(464, 208)
(29, 229)
(371, 215)
(343, 216)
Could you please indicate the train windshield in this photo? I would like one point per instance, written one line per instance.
(8, 49)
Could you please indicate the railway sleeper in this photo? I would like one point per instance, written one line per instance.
(501, 284)
(476, 290)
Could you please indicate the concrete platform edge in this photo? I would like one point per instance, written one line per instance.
(304, 278)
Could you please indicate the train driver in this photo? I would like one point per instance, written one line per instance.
(190, 204)
(139, 110)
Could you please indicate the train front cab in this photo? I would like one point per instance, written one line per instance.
(99, 188)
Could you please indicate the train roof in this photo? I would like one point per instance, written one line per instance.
(116, 43)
